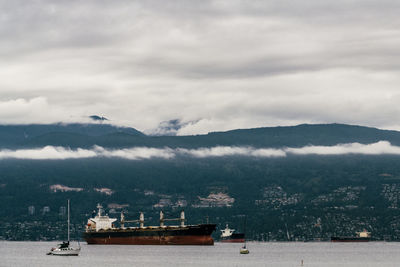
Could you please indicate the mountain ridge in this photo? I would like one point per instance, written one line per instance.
(76, 135)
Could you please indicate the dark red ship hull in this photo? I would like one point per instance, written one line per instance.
(238, 240)
(234, 238)
(170, 240)
(188, 235)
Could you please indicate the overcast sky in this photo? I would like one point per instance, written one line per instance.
(215, 65)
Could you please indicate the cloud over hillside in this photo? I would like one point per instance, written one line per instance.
(143, 153)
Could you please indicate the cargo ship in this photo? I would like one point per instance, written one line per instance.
(363, 236)
(100, 230)
(228, 236)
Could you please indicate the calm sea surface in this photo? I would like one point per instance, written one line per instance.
(319, 254)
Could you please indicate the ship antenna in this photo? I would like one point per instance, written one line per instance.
(99, 207)
(122, 219)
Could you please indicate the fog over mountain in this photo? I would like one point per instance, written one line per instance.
(72, 141)
(170, 127)
(141, 153)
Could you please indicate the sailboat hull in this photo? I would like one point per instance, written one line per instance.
(65, 252)
(244, 251)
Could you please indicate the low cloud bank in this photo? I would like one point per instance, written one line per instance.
(54, 153)
(142, 153)
(381, 147)
(221, 151)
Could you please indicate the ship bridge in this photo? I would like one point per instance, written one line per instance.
(227, 232)
(100, 222)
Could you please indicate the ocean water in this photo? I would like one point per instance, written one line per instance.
(271, 254)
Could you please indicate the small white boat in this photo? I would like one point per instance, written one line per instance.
(65, 249)
(244, 250)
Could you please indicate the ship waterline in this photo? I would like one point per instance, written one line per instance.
(233, 240)
(363, 236)
(188, 235)
(151, 240)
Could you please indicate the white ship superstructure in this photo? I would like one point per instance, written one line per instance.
(227, 232)
(229, 235)
(100, 222)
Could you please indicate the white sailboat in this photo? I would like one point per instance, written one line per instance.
(64, 249)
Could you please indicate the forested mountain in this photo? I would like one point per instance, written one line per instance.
(87, 135)
(292, 197)
(44, 134)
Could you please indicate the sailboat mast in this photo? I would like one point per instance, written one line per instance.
(244, 230)
(68, 220)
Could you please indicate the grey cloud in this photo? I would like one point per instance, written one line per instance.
(223, 151)
(237, 39)
(223, 64)
(379, 148)
(145, 153)
(60, 153)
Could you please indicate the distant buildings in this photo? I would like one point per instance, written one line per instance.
(46, 209)
(215, 200)
(275, 197)
(104, 190)
(31, 210)
(62, 211)
(63, 188)
(117, 206)
(391, 192)
(164, 202)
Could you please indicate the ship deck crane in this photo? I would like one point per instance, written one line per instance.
(181, 219)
